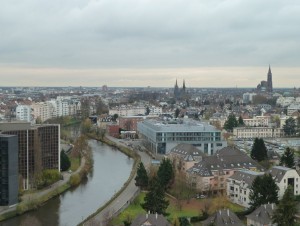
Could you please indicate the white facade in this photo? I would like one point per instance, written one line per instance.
(155, 111)
(127, 111)
(285, 101)
(258, 121)
(23, 112)
(253, 132)
(238, 186)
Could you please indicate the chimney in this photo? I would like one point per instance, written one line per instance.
(156, 215)
(228, 212)
(272, 206)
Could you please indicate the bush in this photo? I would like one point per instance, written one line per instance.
(199, 218)
(47, 177)
(75, 180)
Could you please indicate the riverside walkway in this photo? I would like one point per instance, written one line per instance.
(119, 203)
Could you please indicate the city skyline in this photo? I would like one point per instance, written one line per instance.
(210, 43)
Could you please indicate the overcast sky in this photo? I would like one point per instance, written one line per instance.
(209, 43)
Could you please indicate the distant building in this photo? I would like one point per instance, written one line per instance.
(258, 121)
(261, 132)
(129, 123)
(162, 136)
(266, 86)
(39, 148)
(23, 113)
(113, 130)
(9, 178)
(248, 97)
(179, 93)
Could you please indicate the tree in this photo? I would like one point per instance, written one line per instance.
(263, 190)
(287, 159)
(165, 173)
(241, 121)
(177, 111)
(86, 126)
(114, 117)
(65, 162)
(154, 200)
(259, 151)
(284, 215)
(230, 123)
(147, 111)
(290, 127)
(141, 179)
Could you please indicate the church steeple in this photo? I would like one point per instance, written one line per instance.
(176, 90)
(269, 81)
(183, 86)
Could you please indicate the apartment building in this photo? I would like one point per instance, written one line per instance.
(127, 110)
(23, 113)
(238, 185)
(210, 174)
(258, 121)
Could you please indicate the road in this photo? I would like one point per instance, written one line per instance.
(123, 200)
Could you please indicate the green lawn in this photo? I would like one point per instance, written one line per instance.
(186, 209)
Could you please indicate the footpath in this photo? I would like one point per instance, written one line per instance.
(123, 200)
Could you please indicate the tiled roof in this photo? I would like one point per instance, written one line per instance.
(246, 176)
(188, 152)
(278, 172)
(263, 214)
(150, 220)
(223, 218)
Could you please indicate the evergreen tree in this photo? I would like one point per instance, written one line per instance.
(259, 151)
(165, 173)
(177, 111)
(287, 159)
(155, 199)
(230, 123)
(65, 162)
(147, 111)
(263, 190)
(141, 179)
(290, 127)
(241, 121)
(284, 215)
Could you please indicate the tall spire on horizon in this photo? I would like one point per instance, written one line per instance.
(269, 81)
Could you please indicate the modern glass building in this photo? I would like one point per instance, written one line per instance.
(162, 136)
(39, 148)
(8, 170)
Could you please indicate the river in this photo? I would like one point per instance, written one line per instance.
(111, 170)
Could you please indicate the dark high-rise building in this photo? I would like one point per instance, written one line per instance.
(269, 81)
(39, 148)
(176, 90)
(9, 179)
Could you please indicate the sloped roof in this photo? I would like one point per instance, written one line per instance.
(278, 172)
(150, 220)
(246, 176)
(263, 214)
(187, 151)
(225, 159)
(223, 218)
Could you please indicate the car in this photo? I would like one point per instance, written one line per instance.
(200, 196)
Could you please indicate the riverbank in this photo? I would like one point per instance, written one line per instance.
(125, 195)
(32, 201)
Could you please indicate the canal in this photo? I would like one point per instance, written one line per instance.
(111, 170)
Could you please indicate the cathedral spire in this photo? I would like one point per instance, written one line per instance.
(269, 81)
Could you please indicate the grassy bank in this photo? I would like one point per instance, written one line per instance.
(127, 152)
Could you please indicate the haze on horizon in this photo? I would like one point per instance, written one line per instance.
(127, 43)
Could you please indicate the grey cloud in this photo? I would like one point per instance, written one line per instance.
(169, 33)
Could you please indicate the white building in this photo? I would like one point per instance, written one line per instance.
(261, 132)
(128, 110)
(23, 112)
(155, 111)
(284, 177)
(258, 121)
(285, 101)
(239, 184)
